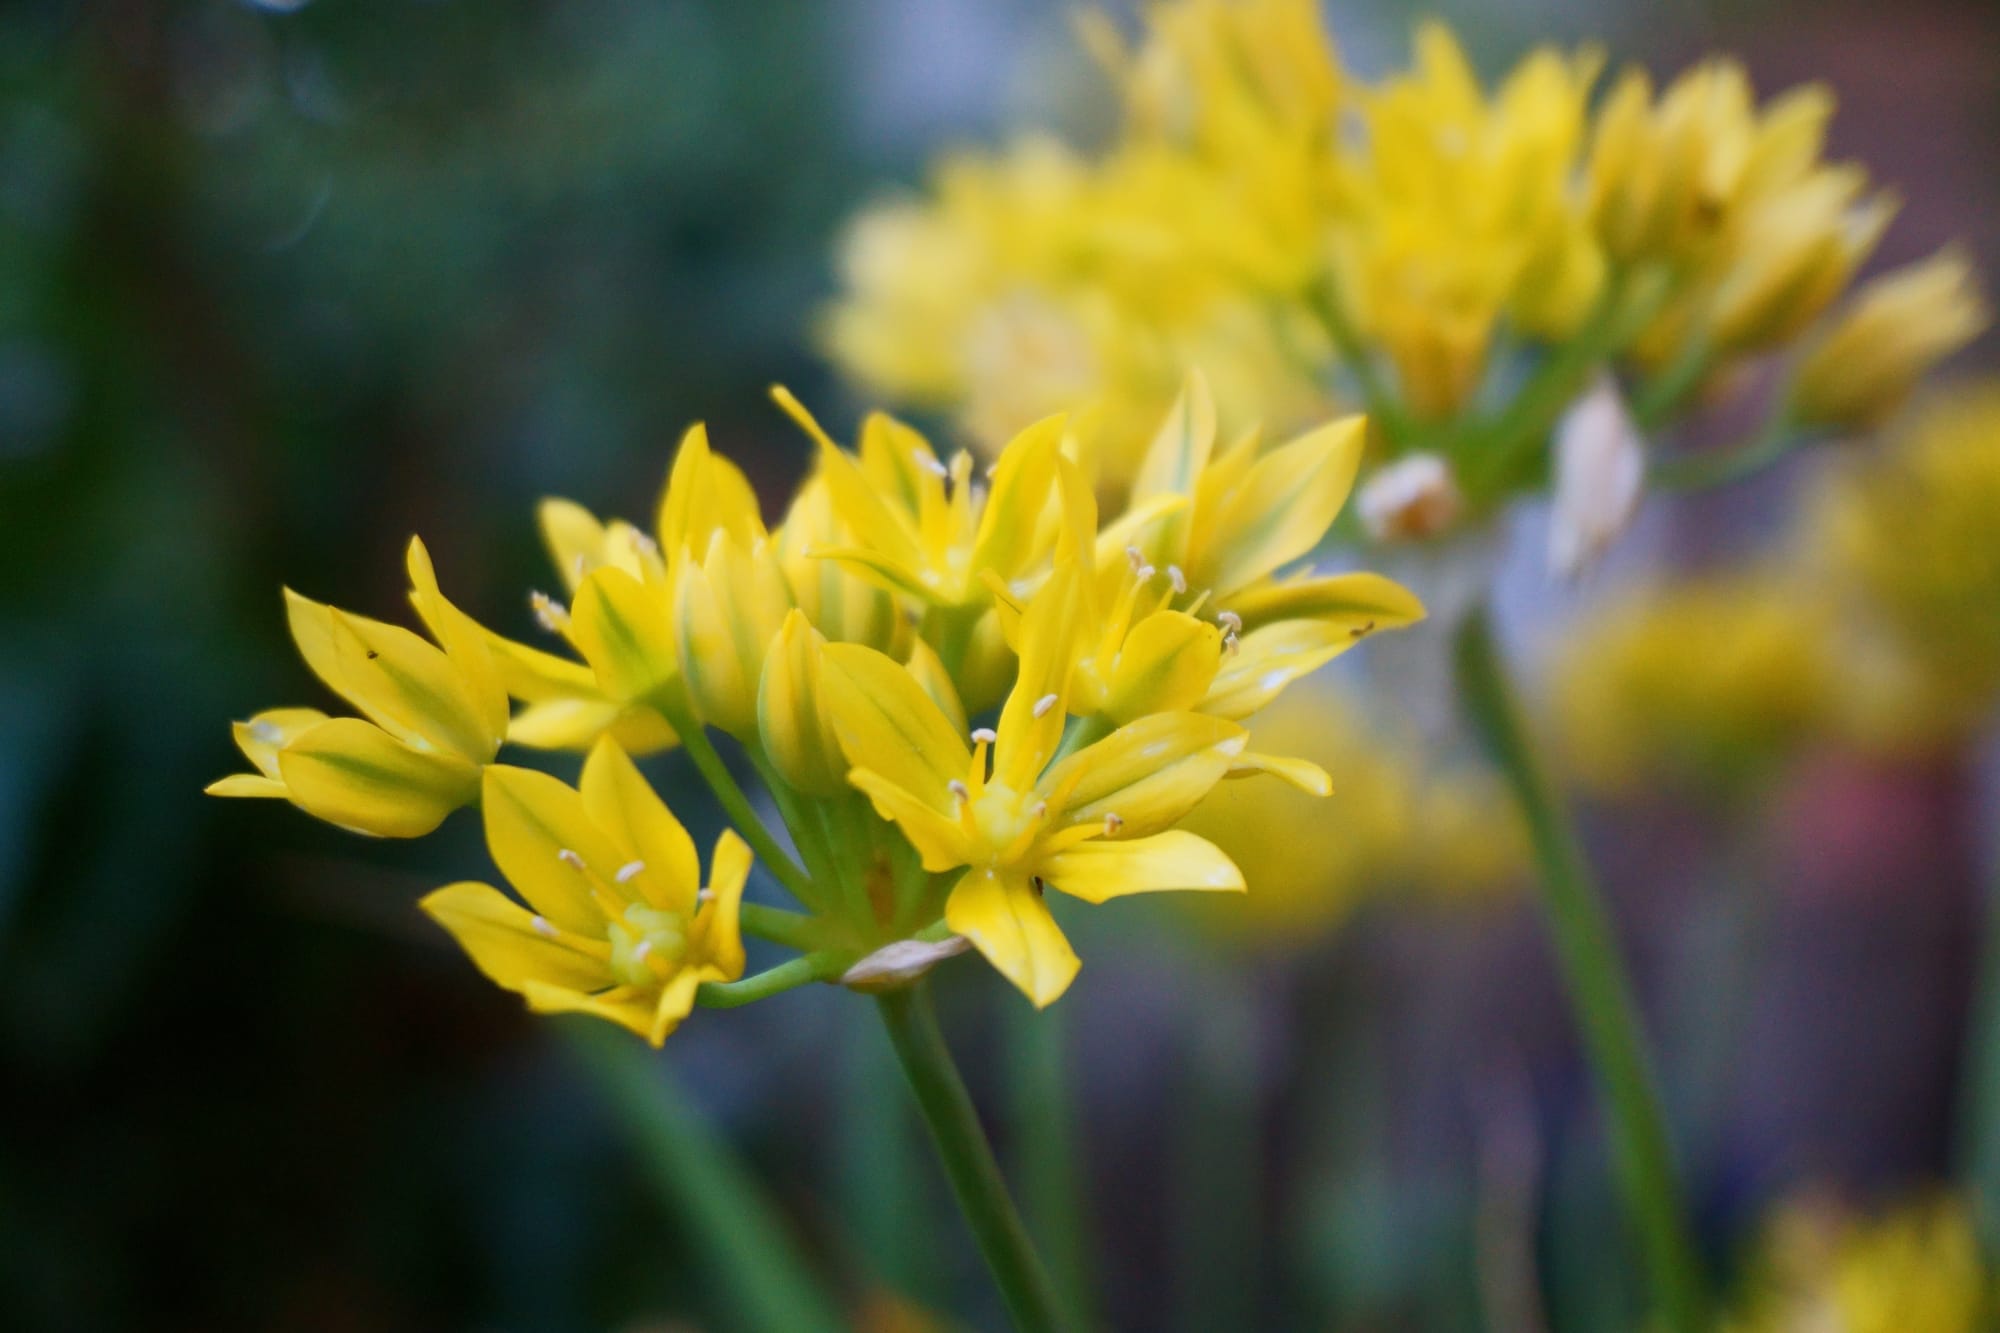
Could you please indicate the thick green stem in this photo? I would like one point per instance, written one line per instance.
(794, 930)
(738, 1239)
(694, 739)
(968, 1161)
(1044, 1137)
(1598, 989)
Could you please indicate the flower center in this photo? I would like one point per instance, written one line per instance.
(646, 944)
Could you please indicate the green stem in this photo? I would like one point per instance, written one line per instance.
(968, 1162)
(1216, 1161)
(1044, 1135)
(794, 930)
(1774, 441)
(772, 981)
(1598, 988)
(738, 1238)
(694, 739)
(1664, 394)
(1384, 407)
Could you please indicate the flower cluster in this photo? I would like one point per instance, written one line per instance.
(1468, 261)
(961, 688)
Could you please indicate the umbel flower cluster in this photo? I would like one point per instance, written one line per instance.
(1469, 262)
(960, 687)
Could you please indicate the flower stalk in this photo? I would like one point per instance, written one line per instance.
(968, 1161)
(1598, 987)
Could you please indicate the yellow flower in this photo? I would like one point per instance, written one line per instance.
(1908, 532)
(728, 605)
(1825, 1267)
(436, 715)
(1703, 681)
(620, 927)
(1096, 824)
(1893, 332)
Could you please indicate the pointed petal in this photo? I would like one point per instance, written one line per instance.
(270, 731)
(1303, 774)
(573, 536)
(1181, 448)
(463, 641)
(718, 932)
(939, 839)
(628, 1008)
(1270, 658)
(1165, 666)
(1285, 504)
(889, 725)
(358, 776)
(620, 626)
(410, 688)
(531, 821)
(1007, 921)
(1149, 773)
(1098, 870)
(532, 675)
(676, 1002)
(929, 670)
(246, 784)
(1032, 720)
(503, 940)
(624, 805)
(1024, 479)
(1350, 599)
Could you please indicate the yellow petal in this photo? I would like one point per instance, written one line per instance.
(506, 944)
(939, 838)
(889, 725)
(621, 628)
(1023, 485)
(705, 494)
(410, 688)
(358, 776)
(793, 723)
(1270, 658)
(1350, 599)
(533, 675)
(1303, 774)
(1285, 504)
(1006, 920)
(928, 668)
(463, 641)
(626, 1006)
(311, 624)
(1181, 447)
(1032, 720)
(676, 1002)
(718, 933)
(1148, 773)
(1099, 870)
(883, 527)
(548, 847)
(270, 731)
(624, 805)
(1165, 666)
(246, 784)
(573, 536)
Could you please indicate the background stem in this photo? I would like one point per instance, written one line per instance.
(968, 1160)
(1044, 1141)
(762, 1277)
(1598, 988)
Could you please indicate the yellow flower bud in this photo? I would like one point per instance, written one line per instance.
(796, 728)
(728, 606)
(1794, 255)
(1892, 333)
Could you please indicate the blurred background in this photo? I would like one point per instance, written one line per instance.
(282, 283)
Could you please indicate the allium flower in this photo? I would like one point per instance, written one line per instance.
(852, 656)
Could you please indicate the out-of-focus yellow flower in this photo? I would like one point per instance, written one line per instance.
(436, 716)
(728, 605)
(1893, 332)
(1826, 1269)
(1908, 533)
(1462, 209)
(1096, 825)
(1395, 826)
(1703, 682)
(621, 927)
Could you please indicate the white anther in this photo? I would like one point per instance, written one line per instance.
(644, 544)
(577, 567)
(1041, 810)
(270, 733)
(627, 871)
(1178, 579)
(1230, 621)
(959, 789)
(704, 895)
(1230, 644)
(543, 928)
(549, 613)
(1144, 572)
(1044, 704)
(984, 735)
(1112, 823)
(928, 462)
(643, 948)
(569, 858)
(1135, 556)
